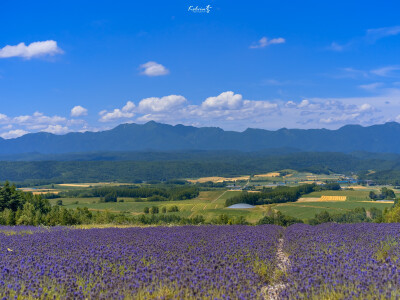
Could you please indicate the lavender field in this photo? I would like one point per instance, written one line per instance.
(328, 261)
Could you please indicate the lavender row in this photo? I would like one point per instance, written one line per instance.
(214, 262)
(353, 261)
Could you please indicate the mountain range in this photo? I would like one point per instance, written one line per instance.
(153, 136)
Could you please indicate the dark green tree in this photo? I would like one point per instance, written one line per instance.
(154, 210)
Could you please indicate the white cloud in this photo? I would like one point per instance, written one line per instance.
(226, 106)
(336, 47)
(148, 105)
(3, 118)
(129, 106)
(370, 37)
(366, 107)
(35, 49)
(153, 117)
(126, 112)
(290, 104)
(164, 104)
(303, 103)
(371, 86)
(152, 68)
(226, 100)
(78, 111)
(114, 115)
(13, 134)
(378, 33)
(385, 71)
(227, 110)
(38, 118)
(264, 42)
(56, 129)
(340, 119)
(353, 73)
(38, 122)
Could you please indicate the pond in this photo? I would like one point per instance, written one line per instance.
(241, 205)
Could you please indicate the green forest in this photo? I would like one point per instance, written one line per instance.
(193, 165)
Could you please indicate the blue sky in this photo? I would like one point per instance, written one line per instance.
(84, 65)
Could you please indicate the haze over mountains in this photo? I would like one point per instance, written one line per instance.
(154, 136)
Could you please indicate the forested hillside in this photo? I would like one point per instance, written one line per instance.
(162, 137)
(190, 166)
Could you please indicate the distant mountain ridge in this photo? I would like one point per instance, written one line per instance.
(154, 136)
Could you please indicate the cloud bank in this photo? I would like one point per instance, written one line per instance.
(229, 110)
(35, 49)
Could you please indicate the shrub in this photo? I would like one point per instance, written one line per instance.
(173, 208)
(111, 197)
(153, 210)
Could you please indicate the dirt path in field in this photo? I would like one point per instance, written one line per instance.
(216, 199)
(193, 210)
(272, 291)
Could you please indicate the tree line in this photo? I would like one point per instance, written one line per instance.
(21, 208)
(111, 194)
(280, 194)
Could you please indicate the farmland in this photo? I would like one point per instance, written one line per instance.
(307, 210)
(124, 240)
(210, 203)
(354, 199)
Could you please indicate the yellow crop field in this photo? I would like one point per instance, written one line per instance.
(218, 179)
(40, 191)
(309, 199)
(360, 187)
(89, 184)
(45, 192)
(74, 185)
(333, 198)
(271, 174)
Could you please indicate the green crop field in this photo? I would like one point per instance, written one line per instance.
(211, 204)
(356, 195)
(307, 210)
